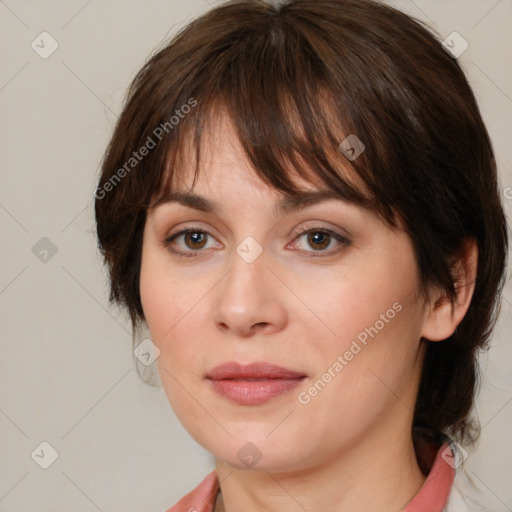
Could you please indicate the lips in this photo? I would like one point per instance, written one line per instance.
(258, 370)
(254, 383)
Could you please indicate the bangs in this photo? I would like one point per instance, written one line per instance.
(289, 116)
(279, 147)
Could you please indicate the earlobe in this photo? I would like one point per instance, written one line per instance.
(443, 316)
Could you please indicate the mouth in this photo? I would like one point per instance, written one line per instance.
(254, 383)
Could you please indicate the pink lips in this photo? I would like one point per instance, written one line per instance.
(254, 383)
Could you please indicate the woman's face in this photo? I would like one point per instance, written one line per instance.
(327, 292)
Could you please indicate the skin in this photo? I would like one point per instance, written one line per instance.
(300, 312)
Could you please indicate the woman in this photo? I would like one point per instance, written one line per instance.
(301, 204)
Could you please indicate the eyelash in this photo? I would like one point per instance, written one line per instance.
(303, 231)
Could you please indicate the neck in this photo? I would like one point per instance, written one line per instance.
(383, 474)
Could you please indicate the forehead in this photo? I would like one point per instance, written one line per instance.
(224, 174)
(224, 165)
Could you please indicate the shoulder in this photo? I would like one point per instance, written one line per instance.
(468, 494)
(201, 499)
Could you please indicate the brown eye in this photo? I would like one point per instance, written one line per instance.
(188, 242)
(195, 239)
(318, 239)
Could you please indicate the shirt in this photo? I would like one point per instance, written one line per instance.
(444, 490)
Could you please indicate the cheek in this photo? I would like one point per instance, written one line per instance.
(167, 306)
(369, 330)
(165, 300)
(358, 383)
(361, 302)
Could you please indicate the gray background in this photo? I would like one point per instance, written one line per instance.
(67, 375)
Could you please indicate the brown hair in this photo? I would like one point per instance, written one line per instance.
(293, 78)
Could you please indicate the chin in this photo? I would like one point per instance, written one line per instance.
(258, 454)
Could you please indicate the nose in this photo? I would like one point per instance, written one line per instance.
(249, 299)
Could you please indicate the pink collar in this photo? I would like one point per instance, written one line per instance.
(202, 498)
(432, 497)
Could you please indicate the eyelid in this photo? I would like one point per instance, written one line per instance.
(318, 225)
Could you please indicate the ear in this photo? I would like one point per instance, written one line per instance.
(443, 317)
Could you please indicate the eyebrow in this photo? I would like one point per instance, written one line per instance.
(286, 205)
